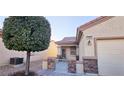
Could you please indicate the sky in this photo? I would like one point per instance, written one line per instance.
(62, 26)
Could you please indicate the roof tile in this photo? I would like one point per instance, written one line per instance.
(67, 40)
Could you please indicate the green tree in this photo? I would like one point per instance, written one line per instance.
(26, 33)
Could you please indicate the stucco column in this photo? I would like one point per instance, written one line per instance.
(79, 68)
(59, 50)
(77, 50)
(44, 64)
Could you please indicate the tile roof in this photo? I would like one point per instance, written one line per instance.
(67, 40)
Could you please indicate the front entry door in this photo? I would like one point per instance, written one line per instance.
(64, 53)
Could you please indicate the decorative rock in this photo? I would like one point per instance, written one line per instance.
(72, 66)
(51, 63)
(90, 65)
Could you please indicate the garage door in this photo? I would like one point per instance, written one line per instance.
(110, 57)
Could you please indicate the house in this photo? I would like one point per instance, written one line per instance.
(68, 48)
(6, 54)
(52, 49)
(99, 45)
(101, 42)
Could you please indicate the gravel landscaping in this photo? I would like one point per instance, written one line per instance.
(8, 70)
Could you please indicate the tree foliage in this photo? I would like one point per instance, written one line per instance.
(26, 33)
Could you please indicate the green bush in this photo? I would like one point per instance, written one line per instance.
(26, 33)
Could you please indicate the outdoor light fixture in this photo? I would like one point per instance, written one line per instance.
(89, 42)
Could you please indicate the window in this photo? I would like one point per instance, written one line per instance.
(73, 50)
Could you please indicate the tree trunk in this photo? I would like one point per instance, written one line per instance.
(27, 63)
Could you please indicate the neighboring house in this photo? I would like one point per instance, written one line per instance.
(52, 50)
(103, 39)
(6, 54)
(68, 48)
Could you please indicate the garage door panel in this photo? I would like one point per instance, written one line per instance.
(113, 52)
(110, 57)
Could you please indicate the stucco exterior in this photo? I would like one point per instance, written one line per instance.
(5, 54)
(68, 50)
(113, 27)
(68, 54)
(65, 48)
(52, 50)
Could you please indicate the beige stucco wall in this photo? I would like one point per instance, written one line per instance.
(69, 56)
(6, 54)
(110, 28)
(81, 48)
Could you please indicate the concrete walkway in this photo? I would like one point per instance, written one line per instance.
(61, 67)
(54, 73)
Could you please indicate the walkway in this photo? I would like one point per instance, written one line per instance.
(54, 73)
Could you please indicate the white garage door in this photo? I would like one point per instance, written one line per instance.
(110, 57)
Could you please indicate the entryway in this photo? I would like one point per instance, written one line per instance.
(63, 53)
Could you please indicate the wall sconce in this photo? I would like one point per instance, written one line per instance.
(89, 42)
